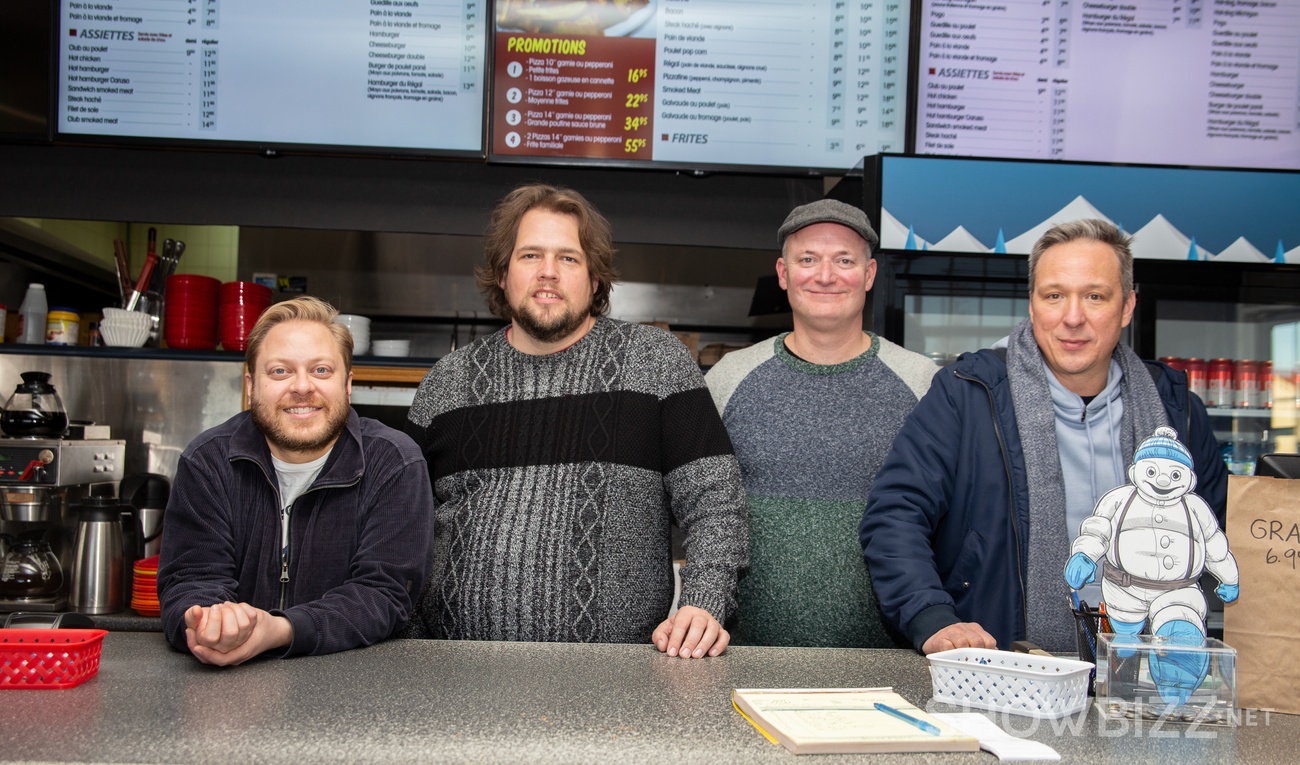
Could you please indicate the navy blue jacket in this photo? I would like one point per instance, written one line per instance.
(359, 537)
(947, 521)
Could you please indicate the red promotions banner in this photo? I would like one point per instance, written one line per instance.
(567, 96)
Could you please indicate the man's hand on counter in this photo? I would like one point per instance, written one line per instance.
(960, 635)
(226, 634)
(691, 633)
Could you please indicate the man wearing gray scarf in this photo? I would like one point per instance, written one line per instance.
(968, 525)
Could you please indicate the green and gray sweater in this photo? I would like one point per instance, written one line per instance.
(555, 477)
(810, 439)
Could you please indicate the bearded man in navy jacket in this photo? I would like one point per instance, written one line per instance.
(969, 522)
(296, 527)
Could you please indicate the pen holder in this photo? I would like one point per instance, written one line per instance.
(1087, 626)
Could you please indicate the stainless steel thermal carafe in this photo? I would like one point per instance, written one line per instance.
(98, 585)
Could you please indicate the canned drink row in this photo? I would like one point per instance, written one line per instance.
(1228, 383)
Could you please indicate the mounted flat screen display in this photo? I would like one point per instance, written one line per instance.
(405, 75)
(807, 85)
(1173, 82)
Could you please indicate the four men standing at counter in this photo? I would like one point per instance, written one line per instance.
(561, 448)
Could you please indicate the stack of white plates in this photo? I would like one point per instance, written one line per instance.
(392, 347)
(360, 328)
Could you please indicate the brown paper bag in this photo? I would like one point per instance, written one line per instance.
(1264, 622)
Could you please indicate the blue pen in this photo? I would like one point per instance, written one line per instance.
(933, 730)
(1074, 598)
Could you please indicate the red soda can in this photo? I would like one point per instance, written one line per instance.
(1198, 377)
(1175, 362)
(1266, 384)
(1219, 387)
(1245, 384)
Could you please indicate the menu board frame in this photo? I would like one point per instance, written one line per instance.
(1123, 24)
(702, 168)
(268, 148)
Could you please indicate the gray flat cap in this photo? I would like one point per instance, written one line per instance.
(828, 211)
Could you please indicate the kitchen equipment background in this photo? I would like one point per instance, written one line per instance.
(40, 478)
(156, 406)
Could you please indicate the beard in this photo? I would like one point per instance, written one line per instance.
(548, 331)
(283, 434)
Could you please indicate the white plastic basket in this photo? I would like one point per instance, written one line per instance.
(1046, 687)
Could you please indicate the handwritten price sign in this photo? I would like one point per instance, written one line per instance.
(1278, 532)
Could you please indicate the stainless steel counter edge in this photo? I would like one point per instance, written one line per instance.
(446, 701)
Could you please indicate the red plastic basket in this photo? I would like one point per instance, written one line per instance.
(38, 658)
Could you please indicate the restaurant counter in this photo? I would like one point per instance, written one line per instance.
(448, 701)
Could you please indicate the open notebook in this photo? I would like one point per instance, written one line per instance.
(827, 720)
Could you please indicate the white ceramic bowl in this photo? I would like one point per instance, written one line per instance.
(359, 326)
(125, 331)
(392, 347)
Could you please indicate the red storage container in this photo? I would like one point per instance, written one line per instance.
(39, 658)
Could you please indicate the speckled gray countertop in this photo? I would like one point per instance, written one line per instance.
(443, 701)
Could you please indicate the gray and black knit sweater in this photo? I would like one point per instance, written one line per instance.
(554, 478)
(810, 438)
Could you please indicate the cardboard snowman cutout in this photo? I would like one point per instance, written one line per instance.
(1153, 538)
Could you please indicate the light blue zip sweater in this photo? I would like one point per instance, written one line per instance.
(1087, 439)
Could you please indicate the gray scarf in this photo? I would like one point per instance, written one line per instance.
(1050, 624)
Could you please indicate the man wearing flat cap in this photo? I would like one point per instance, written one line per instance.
(811, 414)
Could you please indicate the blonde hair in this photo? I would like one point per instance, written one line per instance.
(304, 308)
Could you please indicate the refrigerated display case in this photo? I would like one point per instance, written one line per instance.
(943, 305)
(1246, 317)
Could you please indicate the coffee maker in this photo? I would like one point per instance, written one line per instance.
(40, 478)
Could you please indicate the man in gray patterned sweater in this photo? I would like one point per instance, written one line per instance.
(559, 446)
(812, 414)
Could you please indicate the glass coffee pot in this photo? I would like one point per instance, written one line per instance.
(28, 568)
(35, 409)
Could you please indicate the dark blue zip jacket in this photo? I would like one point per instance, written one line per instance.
(947, 520)
(359, 537)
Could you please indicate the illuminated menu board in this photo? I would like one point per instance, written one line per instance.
(1181, 82)
(395, 74)
(808, 84)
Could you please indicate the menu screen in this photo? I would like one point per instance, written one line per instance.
(809, 84)
(1184, 82)
(398, 74)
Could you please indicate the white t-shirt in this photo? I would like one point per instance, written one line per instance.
(294, 479)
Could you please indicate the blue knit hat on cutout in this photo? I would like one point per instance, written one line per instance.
(1163, 444)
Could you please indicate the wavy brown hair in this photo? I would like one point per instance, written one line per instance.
(593, 234)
